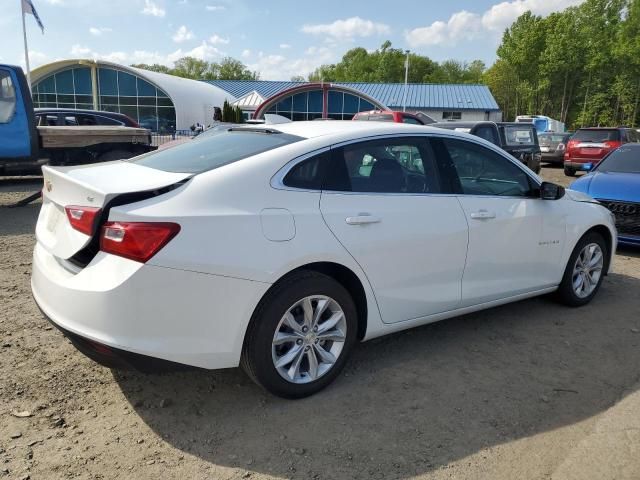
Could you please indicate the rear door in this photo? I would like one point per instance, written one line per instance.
(382, 201)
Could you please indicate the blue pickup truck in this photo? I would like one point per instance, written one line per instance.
(25, 147)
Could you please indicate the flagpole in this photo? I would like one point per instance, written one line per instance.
(26, 51)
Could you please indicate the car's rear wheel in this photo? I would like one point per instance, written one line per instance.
(585, 271)
(569, 172)
(300, 335)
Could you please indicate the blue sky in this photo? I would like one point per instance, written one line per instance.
(279, 39)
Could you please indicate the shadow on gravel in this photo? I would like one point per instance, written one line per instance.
(19, 220)
(414, 401)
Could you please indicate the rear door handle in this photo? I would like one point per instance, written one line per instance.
(362, 219)
(482, 215)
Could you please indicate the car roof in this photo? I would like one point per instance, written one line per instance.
(338, 128)
(74, 110)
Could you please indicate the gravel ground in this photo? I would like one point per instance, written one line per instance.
(505, 393)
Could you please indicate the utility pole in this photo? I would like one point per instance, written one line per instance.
(406, 79)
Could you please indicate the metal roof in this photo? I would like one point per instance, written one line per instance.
(251, 100)
(419, 95)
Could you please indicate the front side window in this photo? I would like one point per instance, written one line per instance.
(383, 166)
(481, 171)
(7, 97)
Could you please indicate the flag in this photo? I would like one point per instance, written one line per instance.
(27, 7)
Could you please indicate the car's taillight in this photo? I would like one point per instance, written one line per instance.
(611, 144)
(82, 219)
(560, 147)
(137, 241)
(572, 144)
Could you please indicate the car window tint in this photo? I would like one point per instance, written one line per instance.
(488, 134)
(515, 135)
(70, 120)
(86, 119)
(48, 120)
(215, 151)
(308, 173)
(411, 120)
(7, 97)
(484, 172)
(383, 166)
(597, 135)
(100, 120)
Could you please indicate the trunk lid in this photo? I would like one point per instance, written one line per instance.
(89, 186)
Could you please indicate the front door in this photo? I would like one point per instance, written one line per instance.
(515, 238)
(381, 199)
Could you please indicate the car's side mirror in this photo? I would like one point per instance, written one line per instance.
(551, 191)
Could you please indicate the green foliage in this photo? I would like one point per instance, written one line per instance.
(229, 114)
(581, 65)
(190, 67)
(239, 118)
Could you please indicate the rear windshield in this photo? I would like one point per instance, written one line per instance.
(197, 156)
(515, 135)
(625, 159)
(596, 136)
(548, 138)
(385, 117)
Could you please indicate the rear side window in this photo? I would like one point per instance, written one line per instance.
(308, 173)
(100, 120)
(488, 133)
(215, 151)
(403, 165)
(597, 136)
(411, 120)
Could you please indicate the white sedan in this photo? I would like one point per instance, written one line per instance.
(279, 247)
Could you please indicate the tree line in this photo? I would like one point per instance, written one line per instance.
(189, 67)
(580, 66)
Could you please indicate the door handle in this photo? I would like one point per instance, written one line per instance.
(362, 219)
(482, 215)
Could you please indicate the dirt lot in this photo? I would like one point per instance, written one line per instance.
(501, 394)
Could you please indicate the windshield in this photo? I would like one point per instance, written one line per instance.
(625, 159)
(515, 135)
(215, 151)
(596, 136)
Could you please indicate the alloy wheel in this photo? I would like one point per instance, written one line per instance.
(587, 270)
(309, 339)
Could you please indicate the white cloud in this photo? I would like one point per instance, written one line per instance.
(246, 53)
(215, 8)
(97, 31)
(348, 28)
(279, 67)
(202, 52)
(464, 25)
(217, 40)
(150, 8)
(285, 46)
(79, 51)
(182, 34)
(55, 2)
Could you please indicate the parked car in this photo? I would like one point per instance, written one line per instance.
(394, 116)
(518, 139)
(615, 182)
(553, 146)
(76, 117)
(589, 145)
(278, 247)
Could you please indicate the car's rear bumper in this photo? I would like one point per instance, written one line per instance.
(580, 164)
(552, 157)
(184, 317)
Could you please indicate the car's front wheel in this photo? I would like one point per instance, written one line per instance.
(585, 271)
(300, 335)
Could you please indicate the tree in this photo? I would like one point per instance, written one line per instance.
(194, 68)
(153, 68)
(298, 78)
(190, 67)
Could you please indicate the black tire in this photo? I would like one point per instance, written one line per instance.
(566, 293)
(257, 360)
(115, 155)
(569, 172)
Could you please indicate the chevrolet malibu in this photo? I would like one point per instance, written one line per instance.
(279, 248)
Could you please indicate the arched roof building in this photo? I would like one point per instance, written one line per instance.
(157, 101)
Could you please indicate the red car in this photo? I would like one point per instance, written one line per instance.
(394, 116)
(588, 146)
